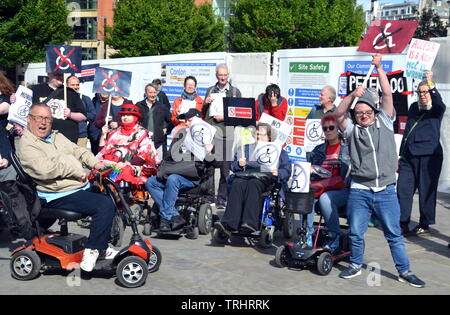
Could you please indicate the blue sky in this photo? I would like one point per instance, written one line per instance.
(366, 3)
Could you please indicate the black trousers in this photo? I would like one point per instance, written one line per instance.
(422, 173)
(244, 203)
(222, 155)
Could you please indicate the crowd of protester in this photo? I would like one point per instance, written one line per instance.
(359, 148)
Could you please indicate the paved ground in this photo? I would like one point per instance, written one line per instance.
(199, 267)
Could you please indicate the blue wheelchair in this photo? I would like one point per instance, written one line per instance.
(273, 218)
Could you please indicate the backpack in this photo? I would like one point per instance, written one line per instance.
(19, 208)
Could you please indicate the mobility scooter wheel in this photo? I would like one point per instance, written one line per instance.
(25, 265)
(154, 260)
(266, 238)
(132, 272)
(281, 257)
(324, 263)
(205, 219)
(288, 226)
(219, 237)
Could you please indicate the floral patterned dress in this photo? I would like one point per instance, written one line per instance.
(133, 156)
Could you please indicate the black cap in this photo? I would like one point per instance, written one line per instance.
(192, 112)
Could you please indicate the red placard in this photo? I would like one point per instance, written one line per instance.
(388, 36)
(240, 112)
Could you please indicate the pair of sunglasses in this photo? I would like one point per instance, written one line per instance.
(331, 128)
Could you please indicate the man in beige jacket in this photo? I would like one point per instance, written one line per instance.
(56, 165)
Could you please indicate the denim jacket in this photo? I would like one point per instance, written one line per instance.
(318, 156)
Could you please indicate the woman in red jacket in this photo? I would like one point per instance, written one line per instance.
(189, 94)
(272, 103)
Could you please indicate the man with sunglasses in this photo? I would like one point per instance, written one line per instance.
(421, 157)
(373, 155)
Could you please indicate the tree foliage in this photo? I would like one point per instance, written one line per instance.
(27, 26)
(267, 25)
(163, 27)
(430, 25)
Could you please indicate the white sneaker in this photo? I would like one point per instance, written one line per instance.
(89, 259)
(110, 253)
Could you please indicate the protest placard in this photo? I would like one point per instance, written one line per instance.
(239, 111)
(301, 174)
(313, 134)
(420, 57)
(216, 107)
(267, 155)
(112, 82)
(283, 129)
(186, 105)
(63, 59)
(199, 134)
(18, 110)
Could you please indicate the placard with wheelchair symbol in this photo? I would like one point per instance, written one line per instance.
(18, 111)
(267, 155)
(63, 59)
(199, 134)
(112, 82)
(313, 134)
(301, 173)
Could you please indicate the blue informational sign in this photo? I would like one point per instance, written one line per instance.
(361, 67)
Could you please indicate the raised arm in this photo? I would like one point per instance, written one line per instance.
(387, 102)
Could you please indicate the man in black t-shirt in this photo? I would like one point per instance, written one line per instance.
(74, 113)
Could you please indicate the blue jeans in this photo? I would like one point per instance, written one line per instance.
(361, 204)
(329, 203)
(165, 194)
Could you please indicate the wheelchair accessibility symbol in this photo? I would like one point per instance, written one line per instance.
(64, 59)
(267, 154)
(200, 133)
(23, 111)
(314, 131)
(300, 179)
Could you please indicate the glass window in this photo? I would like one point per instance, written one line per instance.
(89, 53)
(85, 4)
(86, 30)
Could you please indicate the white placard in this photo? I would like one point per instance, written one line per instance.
(199, 134)
(57, 107)
(267, 155)
(216, 107)
(420, 57)
(283, 128)
(186, 105)
(18, 111)
(313, 134)
(301, 173)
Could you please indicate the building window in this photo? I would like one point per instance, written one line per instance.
(87, 29)
(85, 4)
(402, 11)
(89, 53)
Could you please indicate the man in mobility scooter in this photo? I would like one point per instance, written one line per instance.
(55, 166)
(254, 201)
(179, 175)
